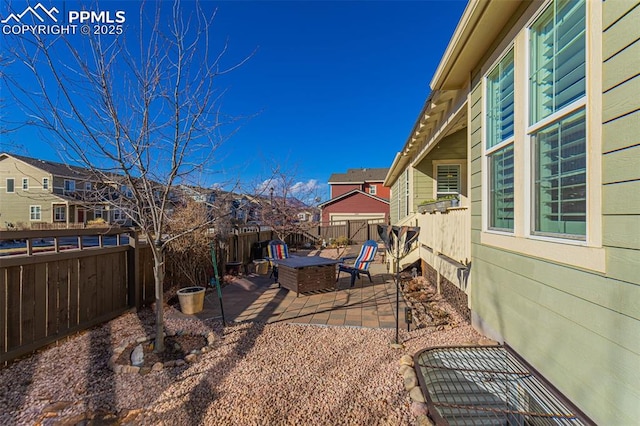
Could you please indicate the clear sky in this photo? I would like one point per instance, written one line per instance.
(331, 85)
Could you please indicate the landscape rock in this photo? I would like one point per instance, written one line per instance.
(404, 368)
(406, 360)
(419, 409)
(410, 383)
(409, 373)
(137, 356)
(423, 420)
(416, 395)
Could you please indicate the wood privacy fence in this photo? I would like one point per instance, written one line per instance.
(63, 281)
(58, 282)
(358, 231)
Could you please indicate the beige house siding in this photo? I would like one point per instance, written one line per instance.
(15, 207)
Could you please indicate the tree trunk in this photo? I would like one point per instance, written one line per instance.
(158, 273)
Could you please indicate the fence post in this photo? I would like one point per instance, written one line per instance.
(133, 267)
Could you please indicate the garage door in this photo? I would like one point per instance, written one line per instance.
(337, 217)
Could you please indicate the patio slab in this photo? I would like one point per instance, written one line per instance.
(257, 298)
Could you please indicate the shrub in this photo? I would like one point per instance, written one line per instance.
(188, 256)
(97, 222)
(339, 241)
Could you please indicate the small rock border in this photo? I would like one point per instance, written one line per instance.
(159, 366)
(418, 407)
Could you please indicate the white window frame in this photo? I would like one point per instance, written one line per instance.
(554, 118)
(588, 254)
(488, 152)
(98, 212)
(440, 163)
(25, 183)
(45, 183)
(35, 213)
(57, 217)
(117, 215)
(373, 189)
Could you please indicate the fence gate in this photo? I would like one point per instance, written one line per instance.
(358, 231)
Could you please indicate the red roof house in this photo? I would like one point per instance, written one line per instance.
(358, 194)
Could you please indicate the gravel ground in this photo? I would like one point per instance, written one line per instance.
(257, 374)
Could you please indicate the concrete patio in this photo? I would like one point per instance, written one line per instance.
(256, 297)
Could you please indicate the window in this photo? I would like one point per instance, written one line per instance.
(372, 189)
(117, 215)
(500, 102)
(60, 213)
(406, 195)
(45, 183)
(98, 213)
(87, 186)
(501, 189)
(35, 213)
(448, 179)
(25, 184)
(69, 185)
(560, 179)
(557, 58)
(500, 140)
(557, 85)
(10, 185)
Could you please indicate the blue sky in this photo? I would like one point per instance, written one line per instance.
(331, 85)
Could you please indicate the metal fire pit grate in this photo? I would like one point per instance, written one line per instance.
(489, 385)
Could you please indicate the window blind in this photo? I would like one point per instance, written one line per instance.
(558, 58)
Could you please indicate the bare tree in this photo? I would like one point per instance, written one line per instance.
(287, 205)
(139, 109)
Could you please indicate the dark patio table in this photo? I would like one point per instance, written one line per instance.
(307, 273)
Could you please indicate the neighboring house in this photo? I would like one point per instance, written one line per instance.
(358, 194)
(310, 215)
(34, 192)
(535, 107)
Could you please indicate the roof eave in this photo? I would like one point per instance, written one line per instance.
(350, 193)
(480, 24)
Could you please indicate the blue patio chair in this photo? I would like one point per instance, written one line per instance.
(276, 250)
(362, 262)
